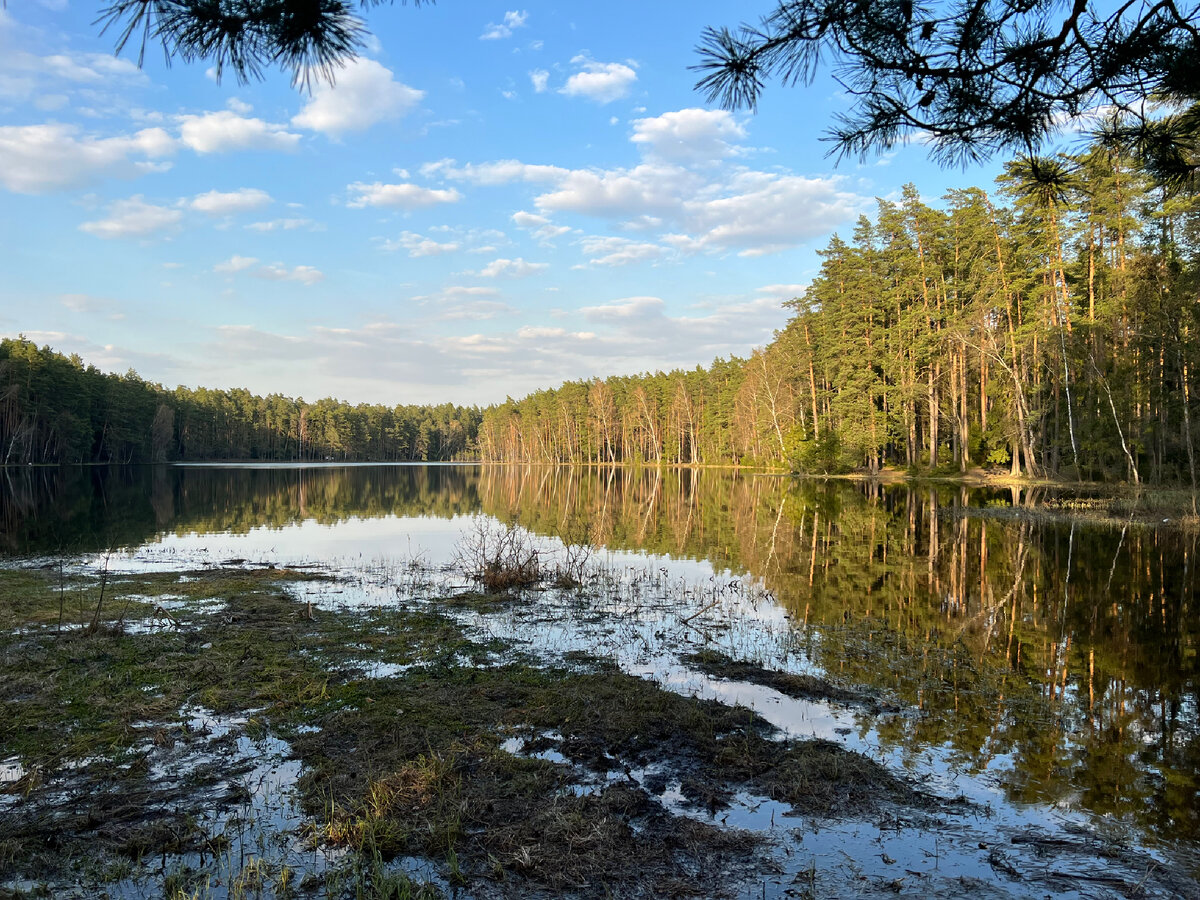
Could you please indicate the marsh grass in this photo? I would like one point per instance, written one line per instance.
(409, 766)
(430, 777)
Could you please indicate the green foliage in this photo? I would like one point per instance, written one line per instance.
(55, 410)
(816, 456)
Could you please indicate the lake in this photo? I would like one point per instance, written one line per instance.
(1020, 654)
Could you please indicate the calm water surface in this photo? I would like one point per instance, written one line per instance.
(1052, 661)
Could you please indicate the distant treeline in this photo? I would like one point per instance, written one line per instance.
(1052, 335)
(56, 409)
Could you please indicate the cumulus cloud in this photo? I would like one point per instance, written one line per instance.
(601, 82)
(646, 327)
(689, 135)
(218, 203)
(541, 227)
(782, 292)
(35, 159)
(134, 217)
(754, 213)
(503, 171)
(618, 251)
(512, 268)
(226, 130)
(306, 275)
(377, 362)
(764, 212)
(399, 196)
(85, 304)
(364, 94)
(628, 308)
(235, 263)
(693, 208)
(540, 79)
(91, 68)
(283, 225)
(50, 82)
(418, 245)
(512, 20)
(390, 362)
(647, 189)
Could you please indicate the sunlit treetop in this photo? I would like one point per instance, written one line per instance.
(973, 77)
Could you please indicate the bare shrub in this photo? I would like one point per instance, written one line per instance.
(499, 557)
(572, 564)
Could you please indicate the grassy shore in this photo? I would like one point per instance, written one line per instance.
(138, 710)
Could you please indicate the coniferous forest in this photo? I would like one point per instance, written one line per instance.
(56, 409)
(1043, 328)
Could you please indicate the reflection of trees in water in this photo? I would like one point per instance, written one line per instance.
(82, 509)
(1064, 655)
(1061, 654)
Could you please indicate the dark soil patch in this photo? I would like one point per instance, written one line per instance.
(414, 767)
(799, 687)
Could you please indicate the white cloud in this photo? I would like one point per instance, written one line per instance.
(85, 304)
(451, 293)
(765, 212)
(512, 20)
(48, 81)
(419, 245)
(217, 203)
(275, 271)
(364, 94)
(524, 219)
(474, 310)
(691, 208)
(618, 251)
(91, 68)
(601, 82)
(540, 80)
(628, 308)
(783, 292)
(511, 268)
(399, 196)
(225, 130)
(235, 263)
(689, 134)
(383, 361)
(502, 171)
(623, 193)
(133, 217)
(283, 225)
(306, 275)
(543, 229)
(35, 159)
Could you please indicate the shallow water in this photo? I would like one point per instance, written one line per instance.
(1047, 667)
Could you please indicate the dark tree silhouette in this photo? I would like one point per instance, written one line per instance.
(974, 77)
(308, 38)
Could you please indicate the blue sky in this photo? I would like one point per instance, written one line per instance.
(490, 201)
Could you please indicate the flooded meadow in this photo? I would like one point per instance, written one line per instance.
(501, 681)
